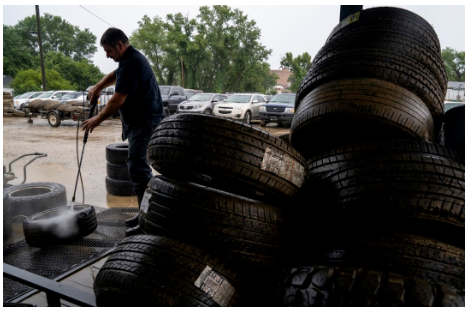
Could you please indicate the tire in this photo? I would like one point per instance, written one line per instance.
(285, 137)
(393, 19)
(263, 123)
(54, 119)
(397, 179)
(62, 108)
(33, 104)
(6, 216)
(408, 255)
(454, 129)
(358, 109)
(62, 225)
(156, 271)
(119, 187)
(210, 219)
(117, 171)
(69, 110)
(117, 153)
(238, 157)
(7, 115)
(326, 286)
(247, 118)
(380, 37)
(31, 198)
(51, 104)
(208, 112)
(167, 111)
(44, 103)
(19, 113)
(377, 64)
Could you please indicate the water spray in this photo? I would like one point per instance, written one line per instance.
(86, 135)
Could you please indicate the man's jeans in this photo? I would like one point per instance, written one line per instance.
(139, 170)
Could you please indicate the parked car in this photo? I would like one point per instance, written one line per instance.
(279, 109)
(80, 96)
(201, 103)
(18, 101)
(190, 92)
(451, 104)
(171, 97)
(53, 95)
(240, 106)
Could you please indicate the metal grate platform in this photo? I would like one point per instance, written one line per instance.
(55, 261)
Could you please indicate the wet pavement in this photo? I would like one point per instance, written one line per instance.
(61, 166)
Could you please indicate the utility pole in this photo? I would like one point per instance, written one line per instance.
(182, 72)
(39, 34)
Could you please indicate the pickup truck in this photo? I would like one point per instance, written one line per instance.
(171, 97)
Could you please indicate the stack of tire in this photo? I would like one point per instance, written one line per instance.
(214, 218)
(381, 220)
(8, 107)
(117, 180)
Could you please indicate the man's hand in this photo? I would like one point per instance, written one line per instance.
(94, 92)
(90, 124)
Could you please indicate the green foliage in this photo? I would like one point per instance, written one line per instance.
(58, 36)
(298, 66)
(454, 64)
(218, 51)
(80, 74)
(31, 80)
(16, 55)
(272, 91)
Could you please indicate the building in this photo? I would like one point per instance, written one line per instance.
(455, 91)
(282, 81)
(7, 80)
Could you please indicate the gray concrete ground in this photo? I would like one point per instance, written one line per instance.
(60, 165)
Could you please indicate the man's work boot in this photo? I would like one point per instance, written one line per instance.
(133, 231)
(135, 220)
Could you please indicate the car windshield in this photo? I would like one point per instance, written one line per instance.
(201, 97)
(72, 95)
(238, 99)
(47, 94)
(189, 93)
(451, 105)
(35, 95)
(283, 98)
(164, 90)
(25, 95)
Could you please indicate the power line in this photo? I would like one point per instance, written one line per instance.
(96, 16)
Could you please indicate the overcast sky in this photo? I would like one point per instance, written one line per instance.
(291, 28)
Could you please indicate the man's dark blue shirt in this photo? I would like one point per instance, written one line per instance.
(143, 106)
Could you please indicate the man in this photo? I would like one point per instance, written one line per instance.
(137, 97)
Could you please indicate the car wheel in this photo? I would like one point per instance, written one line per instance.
(53, 119)
(30, 198)
(167, 111)
(60, 225)
(208, 112)
(208, 218)
(247, 118)
(156, 271)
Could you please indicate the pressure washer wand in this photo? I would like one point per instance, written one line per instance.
(86, 135)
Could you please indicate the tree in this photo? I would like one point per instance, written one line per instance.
(298, 66)
(31, 80)
(454, 64)
(57, 36)
(16, 54)
(80, 74)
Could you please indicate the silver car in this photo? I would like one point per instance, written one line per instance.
(201, 103)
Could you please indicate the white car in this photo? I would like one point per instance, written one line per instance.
(80, 96)
(54, 95)
(240, 106)
(19, 101)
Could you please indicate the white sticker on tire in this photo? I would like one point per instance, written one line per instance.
(215, 286)
(284, 166)
(145, 202)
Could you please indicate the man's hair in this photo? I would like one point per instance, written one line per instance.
(111, 37)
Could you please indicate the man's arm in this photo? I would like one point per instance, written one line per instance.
(108, 80)
(110, 109)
